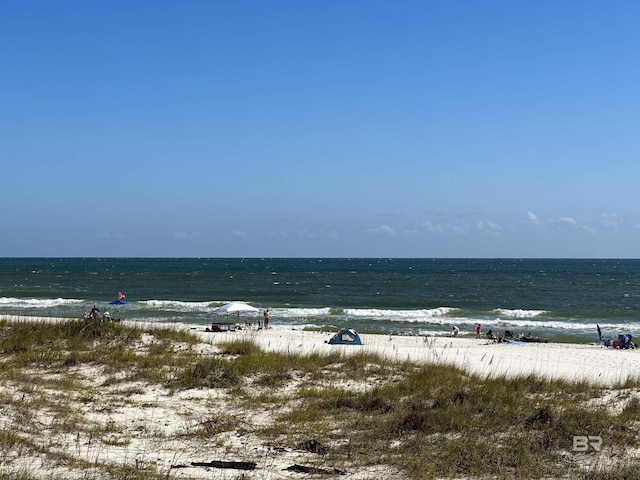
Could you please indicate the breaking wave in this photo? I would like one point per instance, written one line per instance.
(37, 302)
(518, 313)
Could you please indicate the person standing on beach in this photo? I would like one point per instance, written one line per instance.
(456, 330)
(478, 330)
(267, 317)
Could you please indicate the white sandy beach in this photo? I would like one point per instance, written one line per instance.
(591, 363)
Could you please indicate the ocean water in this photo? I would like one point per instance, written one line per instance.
(562, 300)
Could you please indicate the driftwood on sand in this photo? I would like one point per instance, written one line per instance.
(322, 471)
(221, 464)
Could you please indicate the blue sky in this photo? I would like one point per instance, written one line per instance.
(320, 128)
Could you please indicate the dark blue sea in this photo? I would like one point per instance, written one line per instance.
(563, 300)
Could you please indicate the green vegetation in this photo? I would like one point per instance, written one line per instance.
(422, 421)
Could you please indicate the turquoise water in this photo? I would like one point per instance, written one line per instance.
(559, 299)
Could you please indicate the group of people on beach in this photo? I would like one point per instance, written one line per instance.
(456, 331)
(263, 323)
(95, 314)
(506, 337)
(490, 335)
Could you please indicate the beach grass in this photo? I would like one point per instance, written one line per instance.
(63, 386)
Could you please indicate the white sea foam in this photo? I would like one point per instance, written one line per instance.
(302, 326)
(558, 325)
(531, 324)
(400, 315)
(428, 320)
(37, 302)
(178, 306)
(518, 313)
(300, 312)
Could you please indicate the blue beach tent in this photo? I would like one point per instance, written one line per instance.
(346, 336)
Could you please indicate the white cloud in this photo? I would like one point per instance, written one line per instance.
(465, 226)
(533, 218)
(461, 229)
(240, 234)
(305, 234)
(432, 227)
(611, 220)
(551, 223)
(409, 231)
(490, 227)
(383, 229)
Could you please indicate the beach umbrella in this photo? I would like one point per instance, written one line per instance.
(236, 307)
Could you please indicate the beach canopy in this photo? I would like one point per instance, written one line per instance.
(236, 307)
(346, 336)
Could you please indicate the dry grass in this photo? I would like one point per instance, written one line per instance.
(90, 400)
